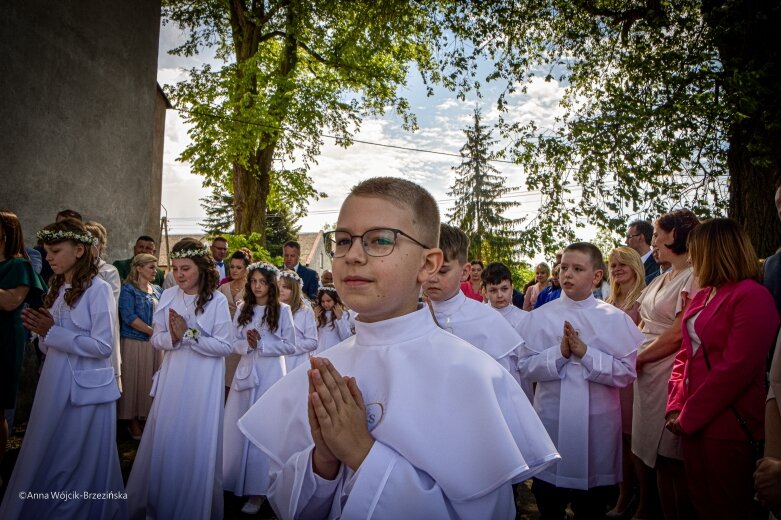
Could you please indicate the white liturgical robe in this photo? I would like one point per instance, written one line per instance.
(577, 398)
(452, 430)
(482, 326)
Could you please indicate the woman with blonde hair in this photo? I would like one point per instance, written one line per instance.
(137, 304)
(717, 388)
(541, 276)
(627, 281)
(291, 292)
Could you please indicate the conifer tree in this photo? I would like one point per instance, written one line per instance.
(477, 189)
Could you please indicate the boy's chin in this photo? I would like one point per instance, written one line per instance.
(576, 293)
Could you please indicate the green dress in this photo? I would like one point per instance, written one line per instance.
(13, 273)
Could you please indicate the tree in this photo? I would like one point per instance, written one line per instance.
(280, 225)
(477, 189)
(292, 70)
(666, 103)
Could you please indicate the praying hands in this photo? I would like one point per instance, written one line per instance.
(38, 321)
(176, 326)
(571, 342)
(337, 419)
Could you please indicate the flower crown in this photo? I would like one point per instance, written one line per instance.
(46, 235)
(327, 289)
(265, 266)
(293, 276)
(190, 253)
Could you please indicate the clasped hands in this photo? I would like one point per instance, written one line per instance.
(176, 326)
(38, 321)
(767, 483)
(571, 342)
(253, 337)
(337, 419)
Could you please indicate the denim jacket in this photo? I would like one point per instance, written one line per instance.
(134, 303)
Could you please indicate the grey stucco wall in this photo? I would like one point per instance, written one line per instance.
(78, 105)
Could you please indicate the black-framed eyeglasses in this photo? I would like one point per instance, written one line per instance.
(630, 237)
(375, 242)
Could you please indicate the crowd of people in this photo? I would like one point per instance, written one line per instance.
(421, 384)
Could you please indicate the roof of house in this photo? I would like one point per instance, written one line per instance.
(309, 242)
(162, 253)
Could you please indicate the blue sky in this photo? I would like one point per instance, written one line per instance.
(441, 119)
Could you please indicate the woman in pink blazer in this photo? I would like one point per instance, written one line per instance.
(717, 388)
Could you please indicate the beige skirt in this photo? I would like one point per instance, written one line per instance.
(140, 361)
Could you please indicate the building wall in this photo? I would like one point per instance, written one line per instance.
(78, 117)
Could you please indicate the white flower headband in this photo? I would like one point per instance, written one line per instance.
(46, 235)
(293, 276)
(327, 289)
(265, 266)
(190, 253)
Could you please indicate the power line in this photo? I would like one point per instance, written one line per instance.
(335, 138)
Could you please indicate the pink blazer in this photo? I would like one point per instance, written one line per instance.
(737, 328)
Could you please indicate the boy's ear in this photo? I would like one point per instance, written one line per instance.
(432, 263)
(466, 272)
(599, 275)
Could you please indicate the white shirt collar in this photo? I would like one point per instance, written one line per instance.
(645, 256)
(449, 306)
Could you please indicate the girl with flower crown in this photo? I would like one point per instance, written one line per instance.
(177, 472)
(263, 333)
(333, 319)
(70, 444)
(291, 288)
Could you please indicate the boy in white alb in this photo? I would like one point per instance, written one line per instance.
(470, 320)
(424, 425)
(580, 351)
(498, 286)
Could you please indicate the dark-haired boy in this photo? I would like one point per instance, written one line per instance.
(498, 286)
(468, 319)
(426, 426)
(580, 351)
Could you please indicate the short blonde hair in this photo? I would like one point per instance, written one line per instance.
(631, 258)
(407, 194)
(721, 252)
(139, 260)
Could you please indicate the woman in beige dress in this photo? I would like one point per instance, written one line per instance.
(627, 281)
(137, 303)
(234, 292)
(661, 309)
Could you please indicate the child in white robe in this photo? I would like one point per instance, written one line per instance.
(333, 319)
(469, 319)
(580, 351)
(177, 472)
(263, 334)
(291, 292)
(70, 445)
(423, 425)
(498, 285)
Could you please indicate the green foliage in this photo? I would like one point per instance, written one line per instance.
(291, 71)
(606, 241)
(642, 127)
(219, 213)
(478, 209)
(522, 274)
(254, 244)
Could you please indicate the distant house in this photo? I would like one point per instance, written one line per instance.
(313, 253)
(165, 247)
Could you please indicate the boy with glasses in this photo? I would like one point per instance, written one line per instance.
(423, 425)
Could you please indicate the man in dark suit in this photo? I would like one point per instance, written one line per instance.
(291, 253)
(638, 237)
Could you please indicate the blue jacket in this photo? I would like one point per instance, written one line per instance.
(134, 303)
(309, 277)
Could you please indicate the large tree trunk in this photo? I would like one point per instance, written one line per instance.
(744, 32)
(251, 188)
(751, 192)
